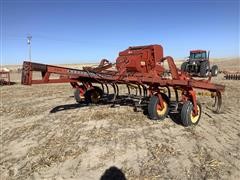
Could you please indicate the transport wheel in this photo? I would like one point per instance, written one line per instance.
(93, 95)
(204, 69)
(77, 94)
(214, 70)
(154, 110)
(184, 66)
(217, 103)
(187, 117)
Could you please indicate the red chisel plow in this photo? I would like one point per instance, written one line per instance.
(141, 68)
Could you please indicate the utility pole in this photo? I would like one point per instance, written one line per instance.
(29, 39)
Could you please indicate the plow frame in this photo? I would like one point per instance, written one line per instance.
(147, 86)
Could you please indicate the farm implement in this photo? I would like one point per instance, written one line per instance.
(231, 75)
(4, 77)
(160, 88)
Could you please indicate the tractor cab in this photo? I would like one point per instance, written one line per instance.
(198, 55)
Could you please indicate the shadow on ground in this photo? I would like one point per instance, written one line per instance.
(67, 107)
(4, 83)
(113, 173)
(175, 117)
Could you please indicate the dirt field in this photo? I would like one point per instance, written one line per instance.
(46, 135)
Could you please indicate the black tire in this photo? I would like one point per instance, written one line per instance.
(77, 96)
(153, 111)
(217, 103)
(94, 95)
(214, 70)
(204, 69)
(184, 66)
(186, 114)
(99, 90)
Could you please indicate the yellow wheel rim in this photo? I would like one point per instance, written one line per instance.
(194, 119)
(163, 111)
(82, 96)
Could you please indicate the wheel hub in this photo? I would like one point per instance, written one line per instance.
(162, 111)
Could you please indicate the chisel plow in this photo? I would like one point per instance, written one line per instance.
(153, 83)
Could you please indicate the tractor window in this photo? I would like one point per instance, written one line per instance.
(199, 55)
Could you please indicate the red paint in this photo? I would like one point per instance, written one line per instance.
(140, 65)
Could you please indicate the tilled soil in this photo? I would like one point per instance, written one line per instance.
(46, 135)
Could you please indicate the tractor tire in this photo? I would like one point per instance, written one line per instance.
(214, 71)
(187, 118)
(153, 110)
(184, 66)
(93, 96)
(204, 69)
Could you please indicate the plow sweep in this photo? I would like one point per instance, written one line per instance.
(150, 86)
